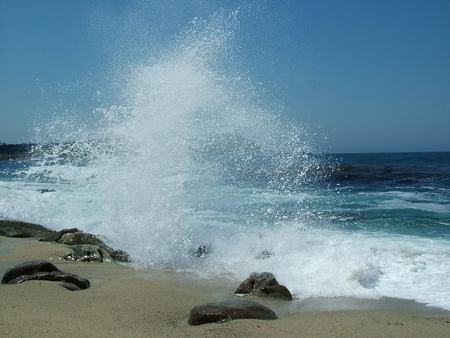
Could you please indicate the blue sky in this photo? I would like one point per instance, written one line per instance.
(372, 76)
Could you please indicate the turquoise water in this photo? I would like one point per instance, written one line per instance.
(369, 225)
(396, 193)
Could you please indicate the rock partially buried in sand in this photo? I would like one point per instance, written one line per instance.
(43, 270)
(229, 310)
(263, 284)
(75, 283)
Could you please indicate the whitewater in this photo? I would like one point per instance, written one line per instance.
(194, 157)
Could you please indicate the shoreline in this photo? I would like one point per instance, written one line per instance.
(129, 302)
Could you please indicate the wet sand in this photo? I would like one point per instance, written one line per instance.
(125, 302)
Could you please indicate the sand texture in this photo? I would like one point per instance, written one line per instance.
(124, 302)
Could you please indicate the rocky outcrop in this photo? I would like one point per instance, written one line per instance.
(43, 270)
(89, 241)
(229, 310)
(264, 285)
(73, 237)
(94, 253)
(15, 151)
(17, 229)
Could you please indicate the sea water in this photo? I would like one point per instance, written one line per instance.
(194, 171)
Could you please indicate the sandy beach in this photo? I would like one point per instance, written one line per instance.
(125, 302)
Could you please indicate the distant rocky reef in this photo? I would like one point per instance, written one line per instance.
(15, 151)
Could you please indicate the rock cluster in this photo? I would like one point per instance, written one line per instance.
(258, 284)
(84, 247)
(84, 253)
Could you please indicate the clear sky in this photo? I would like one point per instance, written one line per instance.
(372, 76)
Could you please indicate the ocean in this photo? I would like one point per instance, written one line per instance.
(196, 171)
(375, 225)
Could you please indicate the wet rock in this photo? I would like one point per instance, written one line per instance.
(43, 191)
(23, 271)
(79, 237)
(84, 238)
(56, 236)
(229, 310)
(264, 285)
(88, 248)
(23, 230)
(43, 270)
(256, 281)
(276, 291)
(84, 253)
(203, 250)
(265, 254)
(72, 237)
(120, 256)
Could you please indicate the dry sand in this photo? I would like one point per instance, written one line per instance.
(123, 302)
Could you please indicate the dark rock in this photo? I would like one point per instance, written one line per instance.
(79, 237)
(89, 247)
(71, 286)
(15, 151)
(120, 256)
(265, 254)
(229, 310)
(263, 284)
(256, 281)
(23, 230)
(56, 236)
(43, 270)
(276, 291)
(203, 250)
(71, 236)
(75, 283)
(84, 253)
(43, 191)
(82, 238)
(21, 272)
